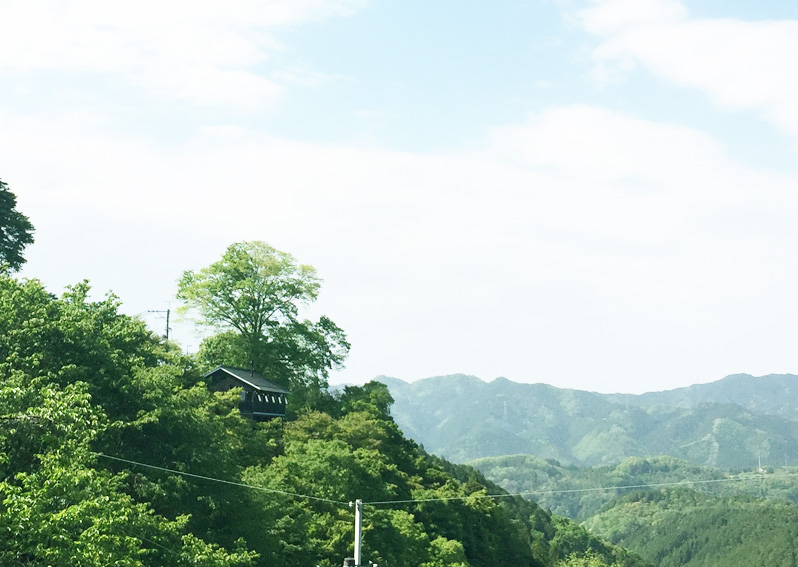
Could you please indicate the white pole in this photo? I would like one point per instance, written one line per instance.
(358, 527)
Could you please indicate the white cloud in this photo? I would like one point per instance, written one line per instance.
(580, 239)
(204, 52)
(605, 17)
(619, 176)
(740, 65)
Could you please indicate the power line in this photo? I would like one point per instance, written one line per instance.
(684, 482)
(144, 539)
(230, 482)
(442, 499)
(575, 490)
(359, 503)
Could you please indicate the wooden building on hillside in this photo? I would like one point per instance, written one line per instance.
(261, 399)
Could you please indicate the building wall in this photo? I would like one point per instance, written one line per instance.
(253, 402)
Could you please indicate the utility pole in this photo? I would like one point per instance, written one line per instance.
(358, 530)
(356, 561)
(167, 319)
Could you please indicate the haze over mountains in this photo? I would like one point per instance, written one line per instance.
(731, 423)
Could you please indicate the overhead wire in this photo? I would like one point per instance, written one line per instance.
(144, 539)
(576, 490)
(685, 482)
(222, 481)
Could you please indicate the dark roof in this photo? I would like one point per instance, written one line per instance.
(250, 378)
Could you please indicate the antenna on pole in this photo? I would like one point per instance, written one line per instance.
(167, 311)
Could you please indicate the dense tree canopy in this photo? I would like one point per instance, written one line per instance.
(681, 528)
(16, 231)
(253, 294)
(77, 378)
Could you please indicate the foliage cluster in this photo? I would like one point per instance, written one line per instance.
(80, 378)
(16, 230)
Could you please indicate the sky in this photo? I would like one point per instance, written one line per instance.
(592, 194)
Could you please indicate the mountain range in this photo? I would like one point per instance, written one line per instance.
(738, 422)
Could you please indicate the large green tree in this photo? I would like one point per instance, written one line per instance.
(253, 295)
(16, 231)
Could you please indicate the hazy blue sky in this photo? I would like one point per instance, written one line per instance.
(597, 194)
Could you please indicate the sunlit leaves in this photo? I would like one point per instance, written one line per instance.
(252, 287)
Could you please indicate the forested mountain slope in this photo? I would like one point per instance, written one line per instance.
(113, 451)
(464, 418)
(774, 394)
(682, 528)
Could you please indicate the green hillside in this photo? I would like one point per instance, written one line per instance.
(464, 418)
(682, 528)
(114, 451)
